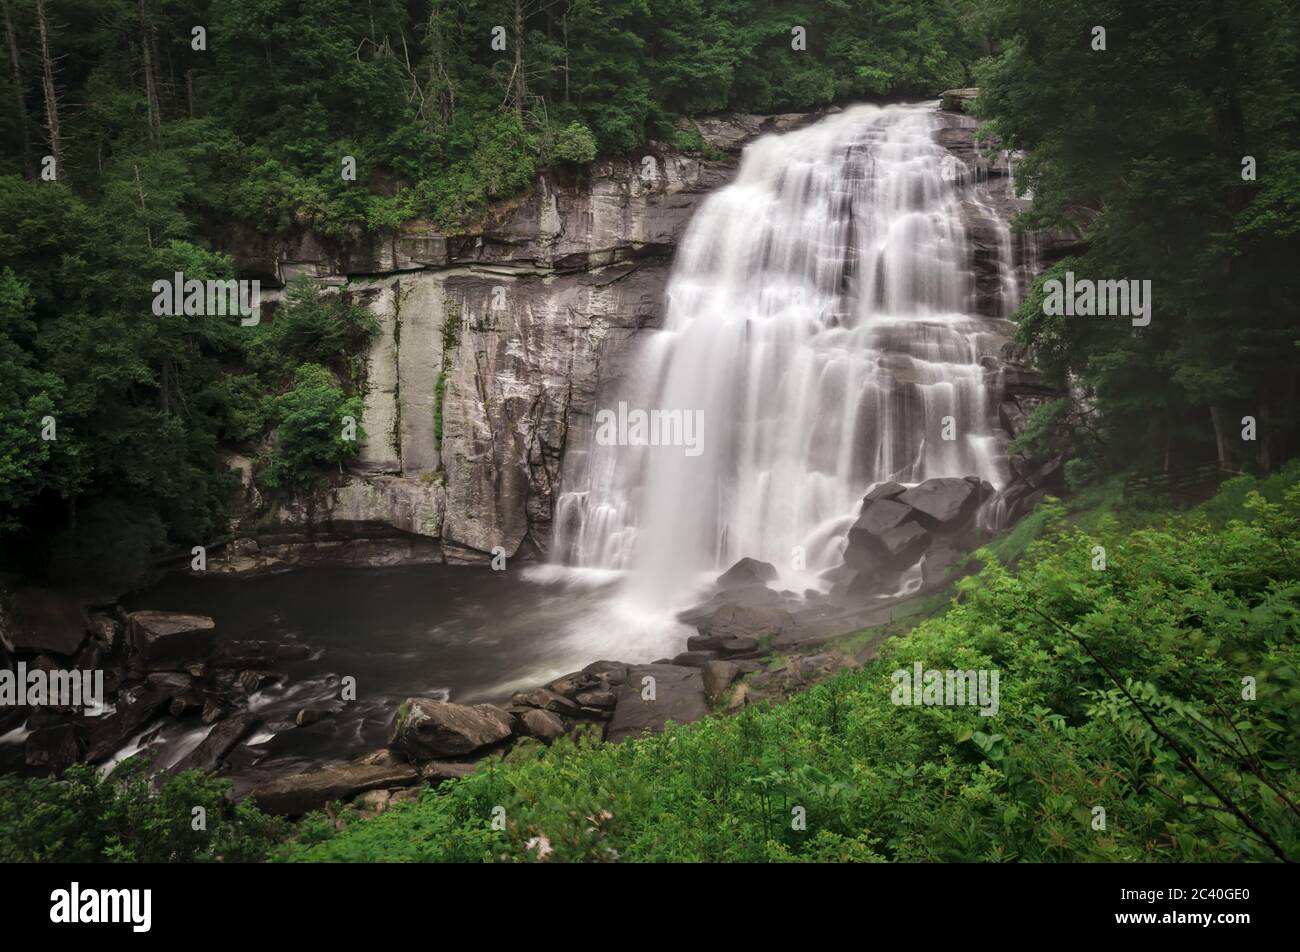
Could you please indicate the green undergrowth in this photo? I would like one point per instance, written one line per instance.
(1114, 684)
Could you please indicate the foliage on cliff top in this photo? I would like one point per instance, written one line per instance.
(1184, 610)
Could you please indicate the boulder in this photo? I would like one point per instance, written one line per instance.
(436, 771)
(602, 697)
(903, 545)
(879, 516)
(301, 793)
(678, 696)
(426, 729)
(742, 621)
(543, 725)
(224, 737)
(718, 676)
(943, 504)
(169, 639)
(133, 710)
(694, 659)
(183, 705)
(611, 672)
(545, 699)
(571, 684)
(311, 715)
(887, 490)
(747, 573)
(741, 645)
(169, 684)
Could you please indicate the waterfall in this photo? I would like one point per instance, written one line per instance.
(821, 326)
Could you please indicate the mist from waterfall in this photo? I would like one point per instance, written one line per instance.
(821, 320)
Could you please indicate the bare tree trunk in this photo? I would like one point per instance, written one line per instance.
(150, 84)
(519, 58)
(442, 90)
(15, 68)
(189, 90)
(1265, 438)
(47, 85)
(1220, 438)
(139, 190)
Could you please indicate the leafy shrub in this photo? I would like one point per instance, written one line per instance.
(81, 818)
(571, 143)
(309, 430)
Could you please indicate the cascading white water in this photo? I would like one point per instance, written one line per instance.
(821, 320)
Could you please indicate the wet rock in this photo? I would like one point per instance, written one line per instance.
(54, 749)
(944, 503)
(678, 696)
(214, 709)
(542, 725)
(311, 715)
(217, 746)
(879, 516)
(135, 707)
(903, 545)
(611, 672)
(694, 659)
(297, 794)
(741, 621)
(184, 705)
(887, 490)
(246, 654)
(169, 684)
(292, 652)
(545, 699)
(425, 729)
(598, 698)
(254, 681)
(571, 684)
(742, 645)
(747, 573)
(170, 639)
(381, 758)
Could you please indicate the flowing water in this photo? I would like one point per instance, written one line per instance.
(821, 326)
(821, 322)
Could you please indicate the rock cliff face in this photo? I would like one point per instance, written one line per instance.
(492, 346)
(490, 350)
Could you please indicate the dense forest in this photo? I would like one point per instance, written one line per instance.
(164, 127)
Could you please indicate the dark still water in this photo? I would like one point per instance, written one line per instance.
(465, 634)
